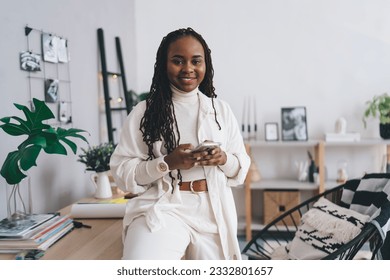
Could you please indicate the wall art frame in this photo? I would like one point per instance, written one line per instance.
(294, 124)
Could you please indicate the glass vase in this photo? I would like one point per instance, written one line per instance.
(19, 202)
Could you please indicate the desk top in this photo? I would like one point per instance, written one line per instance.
(101, 242)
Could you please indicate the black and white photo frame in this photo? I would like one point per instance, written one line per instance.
(294, 124)
(271, 131)
(63, 52)
(30, 61)
(51, 90)
(54, 48)
(50, 45)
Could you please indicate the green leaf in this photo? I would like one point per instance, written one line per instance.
(37, 140)
(50, 136)
(71, 144)
(29, 156)
(13, 129)
(41, 112)
(71, 132)
(5, 119)
(10, 169)
(56, 148)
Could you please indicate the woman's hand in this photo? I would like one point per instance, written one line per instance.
(181, 157)
(211, 157)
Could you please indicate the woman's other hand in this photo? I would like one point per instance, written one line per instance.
(213, 157)
(181, 157)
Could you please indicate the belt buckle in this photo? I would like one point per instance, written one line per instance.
(192, 188)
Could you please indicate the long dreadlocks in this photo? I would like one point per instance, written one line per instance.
(159, 120)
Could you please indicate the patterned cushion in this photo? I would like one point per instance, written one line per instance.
(324, 229)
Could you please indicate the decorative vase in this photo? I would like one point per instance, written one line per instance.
(19, 202)
(255, 173)
(102, 184)
(384, 130)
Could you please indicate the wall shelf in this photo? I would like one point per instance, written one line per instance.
(320, 148)
(282, 184)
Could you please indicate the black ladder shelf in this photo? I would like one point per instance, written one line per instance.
(105, 74)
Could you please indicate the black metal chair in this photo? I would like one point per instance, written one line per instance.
(282, 230)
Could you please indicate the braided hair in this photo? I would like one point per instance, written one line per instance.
(159, 120)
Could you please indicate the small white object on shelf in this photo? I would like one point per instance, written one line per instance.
(341, 126)
(342, 137)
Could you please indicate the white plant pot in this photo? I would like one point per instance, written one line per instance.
(102, 184)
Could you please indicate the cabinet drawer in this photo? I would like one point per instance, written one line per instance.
(277, 202)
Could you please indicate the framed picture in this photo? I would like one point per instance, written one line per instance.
(63, 53)
(271, 132)
(294, 124)
(50, 47)
(30, 61)
(51, 90)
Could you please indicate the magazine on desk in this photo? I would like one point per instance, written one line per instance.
(24, 228)
(40, 239)
(100, 208)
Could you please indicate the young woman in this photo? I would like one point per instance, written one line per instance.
(185, 207)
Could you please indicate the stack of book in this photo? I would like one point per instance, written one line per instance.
(38, 232)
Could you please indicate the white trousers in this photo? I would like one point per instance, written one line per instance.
(185, 234)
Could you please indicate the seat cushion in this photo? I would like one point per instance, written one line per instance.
(323, 229)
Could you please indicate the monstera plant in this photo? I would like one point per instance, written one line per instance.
(40, 136)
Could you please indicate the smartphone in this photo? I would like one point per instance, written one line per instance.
(206, 146)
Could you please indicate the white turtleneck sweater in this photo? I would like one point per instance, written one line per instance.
(186, 105)
(187, 110)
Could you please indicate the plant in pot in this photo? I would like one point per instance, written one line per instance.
(97, 159)
(379, 106)
(40, 136)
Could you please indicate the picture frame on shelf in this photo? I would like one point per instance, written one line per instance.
(294, 124)
(271, 131)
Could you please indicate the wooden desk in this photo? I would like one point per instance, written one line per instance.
(101, 242)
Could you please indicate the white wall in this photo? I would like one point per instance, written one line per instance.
(58, 180)
(328, 55)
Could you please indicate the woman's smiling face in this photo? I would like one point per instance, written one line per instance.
(186, 65)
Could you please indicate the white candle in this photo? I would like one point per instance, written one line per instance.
(243, 118)
(254, 117)
(249, 118)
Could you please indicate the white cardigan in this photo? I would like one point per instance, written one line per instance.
(158, 196)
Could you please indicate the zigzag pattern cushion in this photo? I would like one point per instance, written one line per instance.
(324, 229)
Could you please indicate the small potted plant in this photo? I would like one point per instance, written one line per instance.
(379, 106)
(97, 159)
(40, 136)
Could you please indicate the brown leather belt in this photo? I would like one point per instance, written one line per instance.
(198, 186)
